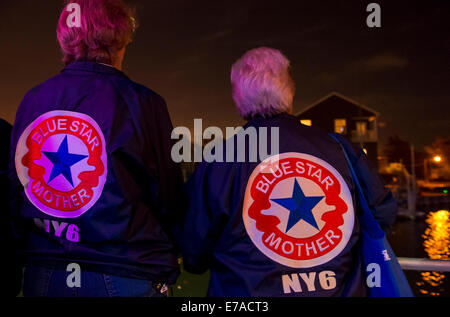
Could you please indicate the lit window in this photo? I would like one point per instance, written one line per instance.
(306, 122)
(361, 128)
(340, 126)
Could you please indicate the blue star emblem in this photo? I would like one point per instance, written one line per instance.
(62, 160)
(299, 206)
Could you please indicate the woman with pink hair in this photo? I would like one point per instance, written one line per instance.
(93, 183)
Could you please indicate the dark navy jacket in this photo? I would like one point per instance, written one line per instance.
(11, 267)
(215, 237)
(125, 231)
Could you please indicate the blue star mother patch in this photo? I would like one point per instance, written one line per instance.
(298, 210)
(61, 161)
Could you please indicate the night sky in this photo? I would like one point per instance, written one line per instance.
(184, 50)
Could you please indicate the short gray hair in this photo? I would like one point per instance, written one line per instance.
(262, 83)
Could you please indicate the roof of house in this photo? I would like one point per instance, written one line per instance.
(344, 98)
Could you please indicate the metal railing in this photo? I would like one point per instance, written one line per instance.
(414, 264)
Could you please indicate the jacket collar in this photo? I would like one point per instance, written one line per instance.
(256, 119)
(92, 67)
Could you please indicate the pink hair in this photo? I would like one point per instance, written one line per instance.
(106, 27)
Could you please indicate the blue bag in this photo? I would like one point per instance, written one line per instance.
(375, 249)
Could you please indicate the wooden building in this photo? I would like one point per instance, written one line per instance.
(337, 113)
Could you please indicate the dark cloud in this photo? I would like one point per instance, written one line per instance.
(384, 62)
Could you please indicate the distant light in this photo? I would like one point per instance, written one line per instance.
(437, 158)
(365, 150)
(445, 191)
(306, 122)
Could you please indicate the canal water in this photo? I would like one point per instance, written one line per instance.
(428, 236)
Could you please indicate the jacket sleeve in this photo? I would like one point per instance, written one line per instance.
(141, 150)
(20, 225)
(209, 195)
(170, 179)
(11, 266)
(380, 199)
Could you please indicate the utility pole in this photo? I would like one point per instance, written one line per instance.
(413, 198)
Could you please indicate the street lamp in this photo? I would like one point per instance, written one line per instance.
(436, 159)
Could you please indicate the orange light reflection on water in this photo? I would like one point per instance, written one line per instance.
(437, 245)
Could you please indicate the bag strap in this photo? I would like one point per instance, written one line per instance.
(367, 220)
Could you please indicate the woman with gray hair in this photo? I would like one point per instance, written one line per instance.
(284, 225)
(262, 83)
